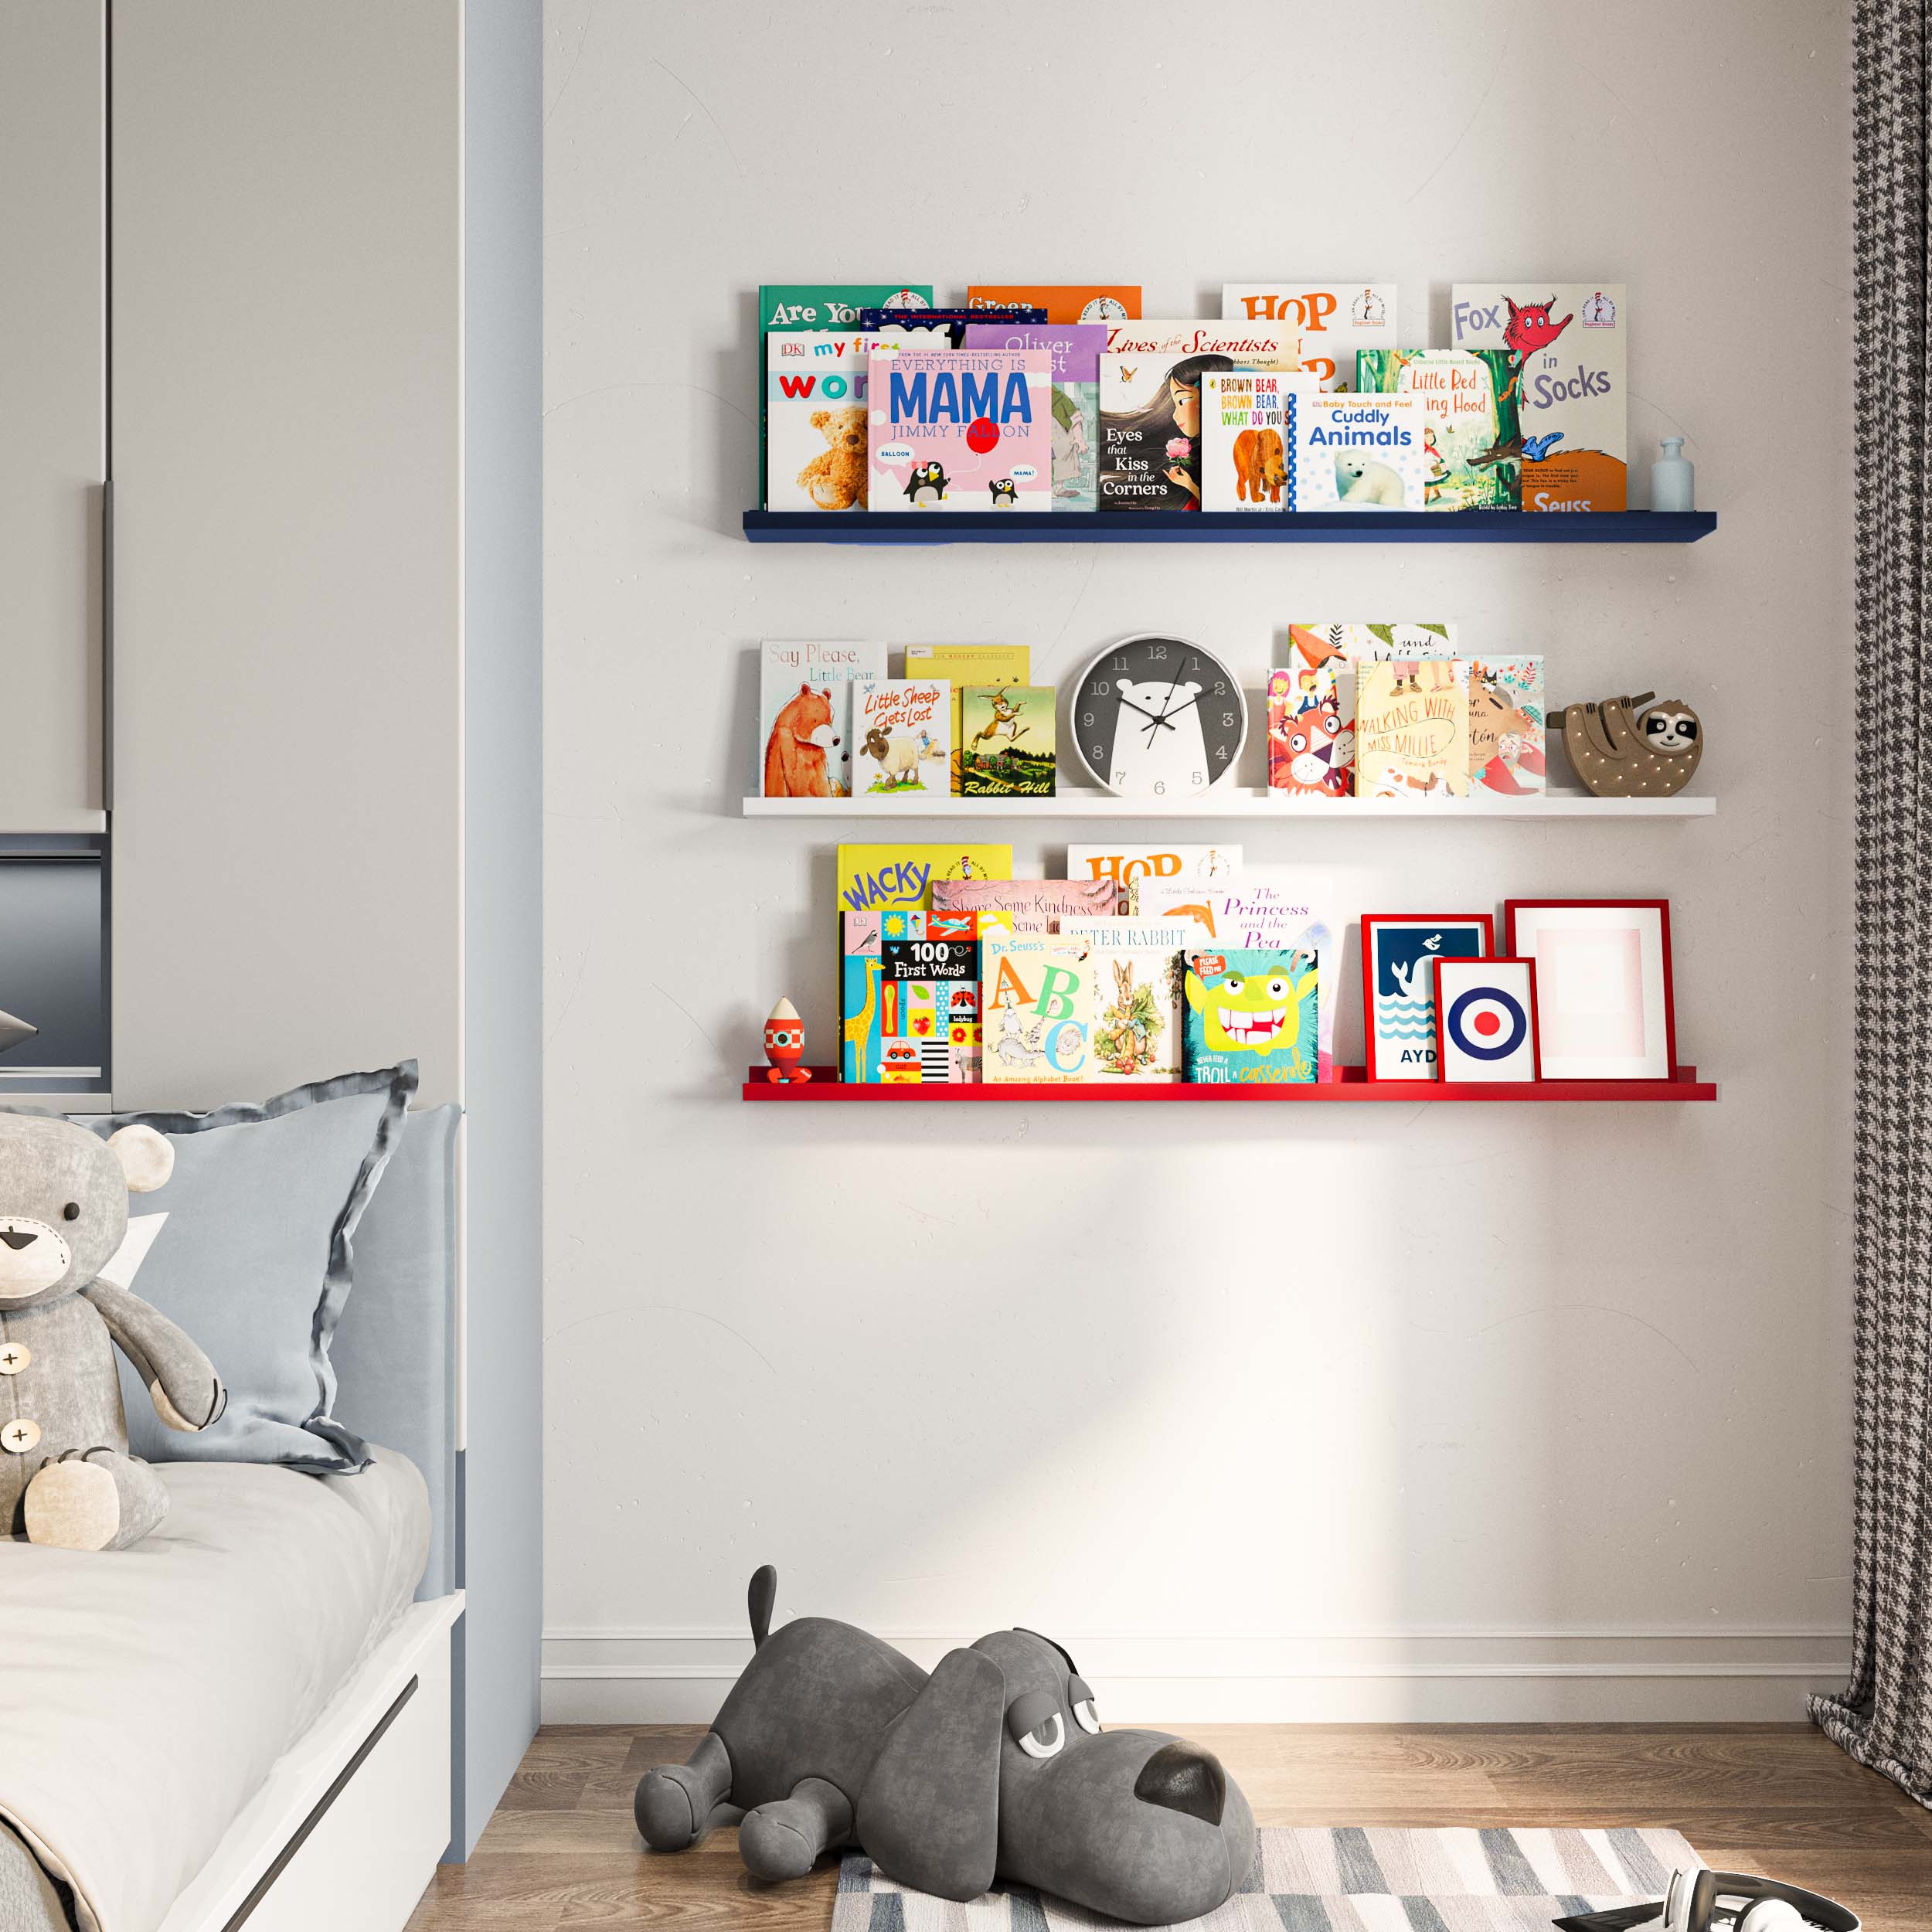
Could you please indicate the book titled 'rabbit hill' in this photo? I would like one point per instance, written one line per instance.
(1006, 741)
(1360, 453)
(1471, 438)
(961, 429)
(1566, 344)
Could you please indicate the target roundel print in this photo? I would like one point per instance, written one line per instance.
(1486, 1020)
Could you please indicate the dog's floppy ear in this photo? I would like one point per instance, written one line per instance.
(928, 1815)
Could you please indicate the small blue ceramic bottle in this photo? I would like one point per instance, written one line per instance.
(1673, 479)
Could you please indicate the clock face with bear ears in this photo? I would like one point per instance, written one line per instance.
(1158, 718)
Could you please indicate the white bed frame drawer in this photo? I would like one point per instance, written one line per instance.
(347, 1830)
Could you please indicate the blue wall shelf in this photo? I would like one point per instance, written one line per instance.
(1222, 526)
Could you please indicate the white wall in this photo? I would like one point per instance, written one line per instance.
(1350, 1412)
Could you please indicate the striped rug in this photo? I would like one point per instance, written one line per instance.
(1349, 1879)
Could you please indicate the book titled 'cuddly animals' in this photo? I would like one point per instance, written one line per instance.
(1566, 344)
(1360, 453)
(901, 738)
(962, 430)
(1251, 1015)
(1471, 439)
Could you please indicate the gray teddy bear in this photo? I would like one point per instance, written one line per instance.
(993, 1767)
(65, 1476)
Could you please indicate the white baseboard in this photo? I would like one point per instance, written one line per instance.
(1467, 1676)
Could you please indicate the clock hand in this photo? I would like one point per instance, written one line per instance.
(1132, 706)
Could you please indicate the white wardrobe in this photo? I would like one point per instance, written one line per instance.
(273, 295)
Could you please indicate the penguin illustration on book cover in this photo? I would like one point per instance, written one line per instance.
(1004, 496)
(926, 484)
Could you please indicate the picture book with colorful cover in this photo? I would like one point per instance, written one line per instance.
(861, 969)
(1254, 1015)
(1034, 907)
(1472, 441)
(1206, 866)
(901, 731)
(1247, 428)
(1262, 912)
(1063, 301)
(928, 997)
(1357, 452)
(1506, 718)
(784, 307)
(1076, 350)
(1567, 343)
(1246, 345)
(1006, 746)
(1412, 728)
(961, 665)
(962, 430)
(815, 420)
(1039, 1009)
(1334, 320)
(941, 327)
(1310, 744)
(1136, 967)
(805, 715)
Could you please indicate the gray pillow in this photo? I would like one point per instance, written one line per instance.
(254, 1261)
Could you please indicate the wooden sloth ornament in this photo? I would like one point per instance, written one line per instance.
(1620, 750)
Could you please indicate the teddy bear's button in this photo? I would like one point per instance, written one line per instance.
(18, 1437)
(14, 1357)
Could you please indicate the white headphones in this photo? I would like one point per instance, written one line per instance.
(1764, 1905)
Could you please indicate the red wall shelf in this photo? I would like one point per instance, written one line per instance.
(1354, 1085)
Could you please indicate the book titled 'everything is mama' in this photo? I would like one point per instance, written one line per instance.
(961, 429)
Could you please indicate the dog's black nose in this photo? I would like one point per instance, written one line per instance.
(17, 1240)
(1183, 1777)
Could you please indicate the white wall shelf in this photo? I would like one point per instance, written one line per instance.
(1231, 803)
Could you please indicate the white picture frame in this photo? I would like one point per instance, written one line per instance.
(1604, 994)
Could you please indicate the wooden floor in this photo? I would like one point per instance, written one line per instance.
(561, 1850)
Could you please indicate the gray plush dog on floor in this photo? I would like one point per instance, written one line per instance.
(994, 1766)
(65, 1476)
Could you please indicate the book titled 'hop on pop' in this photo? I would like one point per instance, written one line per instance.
(962, 430)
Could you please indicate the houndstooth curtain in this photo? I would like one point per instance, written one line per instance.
(1884, 1717)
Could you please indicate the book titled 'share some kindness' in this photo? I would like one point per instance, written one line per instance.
(961, 429)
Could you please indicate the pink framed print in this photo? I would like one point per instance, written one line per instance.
(1605, 1009)
(1398, 952)
(1486, 1020)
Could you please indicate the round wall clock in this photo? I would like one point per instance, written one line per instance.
(1158, 718)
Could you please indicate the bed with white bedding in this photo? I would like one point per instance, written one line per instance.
(147, 1693)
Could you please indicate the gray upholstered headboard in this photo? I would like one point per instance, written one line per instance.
(394, 1348)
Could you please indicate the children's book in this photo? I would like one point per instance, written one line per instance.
(1471, 439)
(830, 306)
(1252, 1015)
(1076, 351)
(1034, 907)
(1039, 1009)
(1262, 913)
(1246, 345)
(1005, 747)
(1063, 302)
(1205, 866)
(1506, 717)
(1333, 319)
(901, 731)
(1247, 428)
(1319, 675)
(1136, 967)
(962, 664)
(860, 973)
(941, 327)
(1566, 344)
(815, 421)
(1359, 452)
(805, 715)
(1412, 728)
(927, 996)
(962, 430)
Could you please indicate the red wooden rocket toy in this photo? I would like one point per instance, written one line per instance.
(785, 1044)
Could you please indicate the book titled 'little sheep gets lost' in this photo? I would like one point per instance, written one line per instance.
(961, 429)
